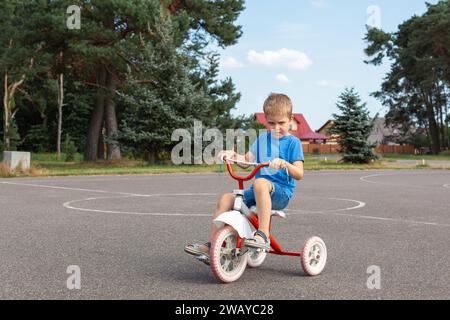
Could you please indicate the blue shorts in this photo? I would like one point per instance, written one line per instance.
(279, 198)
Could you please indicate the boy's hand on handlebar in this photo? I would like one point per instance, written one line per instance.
(229, 154)
(278, 164)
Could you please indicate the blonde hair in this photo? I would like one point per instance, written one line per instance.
(278, 104)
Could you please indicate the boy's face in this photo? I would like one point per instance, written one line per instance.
(279, 125)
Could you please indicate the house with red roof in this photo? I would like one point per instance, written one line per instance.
(300, 129)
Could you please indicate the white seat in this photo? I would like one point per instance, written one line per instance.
(275, 213)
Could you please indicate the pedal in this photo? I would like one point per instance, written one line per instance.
(259, 250)
(203, 258)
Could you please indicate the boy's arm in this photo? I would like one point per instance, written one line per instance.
(295, 170)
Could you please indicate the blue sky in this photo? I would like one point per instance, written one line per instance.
(310, 50)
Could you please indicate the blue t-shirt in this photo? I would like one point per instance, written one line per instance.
(288, 148)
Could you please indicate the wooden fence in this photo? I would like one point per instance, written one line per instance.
(320, 148)
(406, 149)
(333, 148)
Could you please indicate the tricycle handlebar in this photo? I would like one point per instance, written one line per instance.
(251, 175)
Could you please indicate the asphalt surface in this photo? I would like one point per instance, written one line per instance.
(126, 234)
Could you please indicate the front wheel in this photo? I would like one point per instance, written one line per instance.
(226, 264)
(314, 256)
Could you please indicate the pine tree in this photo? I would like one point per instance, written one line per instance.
(33, 35)
(114, 33)
(107, 56)
(180, 77)
(222, 94)
(20, 60)
(353, 127)
(416, 88)
(151, 110)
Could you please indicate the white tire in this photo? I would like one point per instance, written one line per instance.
(225, 264)
(314, 256)
(255, 258)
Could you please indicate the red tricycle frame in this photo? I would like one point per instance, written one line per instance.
(276, 248)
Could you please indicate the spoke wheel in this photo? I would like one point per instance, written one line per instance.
(314, 256)
(256, 258)
(226, 264)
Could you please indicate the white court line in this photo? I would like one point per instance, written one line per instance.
(446, 186)
(66, 188)
(364, 179)
(104, 191)
(68, 205)
(332, 212)
(359, 205)
(337, 212)
(143, 177)
(124, 195)
(381, 218)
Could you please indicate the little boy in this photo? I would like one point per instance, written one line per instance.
(273, 187)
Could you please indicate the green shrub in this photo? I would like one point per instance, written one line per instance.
(36, 139)
(419, 140)
(69, 149)
(14, 136)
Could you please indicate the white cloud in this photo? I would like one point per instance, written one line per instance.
(319, 3)
(330, 84)
(283, 78)
(291, 59)
(231, 62)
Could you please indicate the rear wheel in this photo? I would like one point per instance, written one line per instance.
(314, 256)
(256, 258)
(226, 263)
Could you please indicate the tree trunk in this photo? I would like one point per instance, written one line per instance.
(434, 129)
(60, 106)
(8, 100)
(6, 142)
(441, 120)
(439, 104)
(101, 146)
(152, 157)
(447, 129)
(113, 150)
(95, 125)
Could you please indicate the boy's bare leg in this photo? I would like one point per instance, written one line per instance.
(224, 204)
(262, 189)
